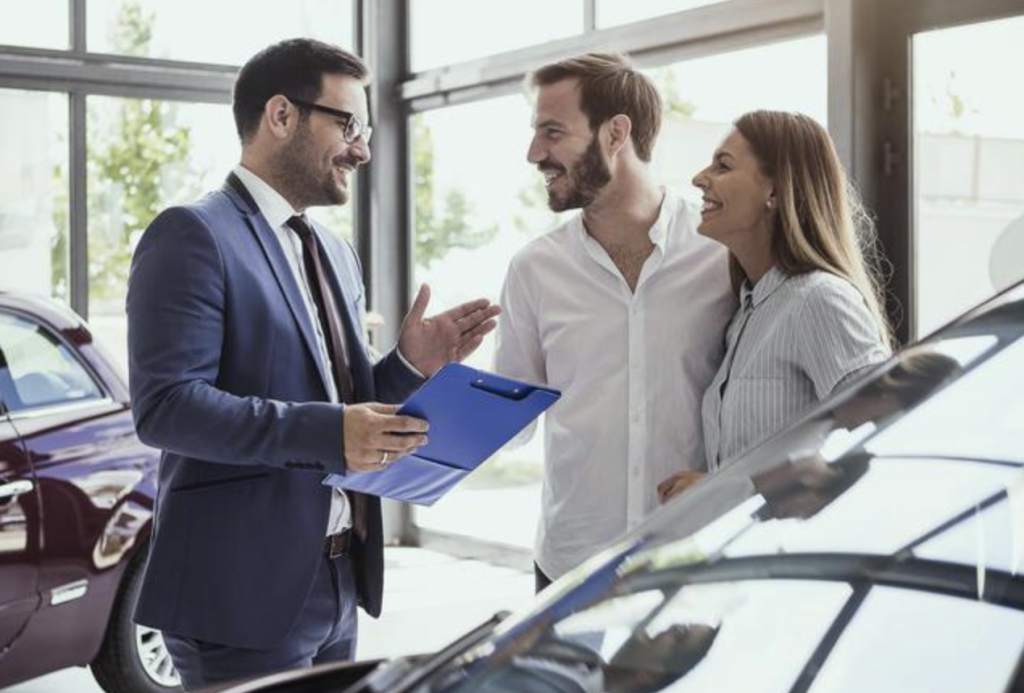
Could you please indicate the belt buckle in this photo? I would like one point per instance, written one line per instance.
(337, 544)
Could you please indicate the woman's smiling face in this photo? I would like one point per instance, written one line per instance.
(738, 197)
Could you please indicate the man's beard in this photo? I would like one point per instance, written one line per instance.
(298, 175)
(586, 179)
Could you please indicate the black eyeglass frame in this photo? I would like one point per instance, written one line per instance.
(354, 128)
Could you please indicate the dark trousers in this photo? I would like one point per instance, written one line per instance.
(540, 580)
(325, 631)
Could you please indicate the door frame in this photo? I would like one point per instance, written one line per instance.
(892, 155)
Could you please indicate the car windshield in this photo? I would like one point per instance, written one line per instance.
(876, 544)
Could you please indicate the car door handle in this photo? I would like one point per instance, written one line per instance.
(8, 492)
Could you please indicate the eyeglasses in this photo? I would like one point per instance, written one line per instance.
(352, 129)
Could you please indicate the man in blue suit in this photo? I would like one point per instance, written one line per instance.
(248, 369)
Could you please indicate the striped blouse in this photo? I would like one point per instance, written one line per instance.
(793, 339)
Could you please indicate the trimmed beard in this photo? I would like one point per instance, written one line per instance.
(587, 177)
(298, 176)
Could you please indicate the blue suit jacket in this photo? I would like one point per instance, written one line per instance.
(226, 380)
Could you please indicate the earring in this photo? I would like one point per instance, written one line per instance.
(770, 204)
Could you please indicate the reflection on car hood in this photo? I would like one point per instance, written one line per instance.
(897, 501)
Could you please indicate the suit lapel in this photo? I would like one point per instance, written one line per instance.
(279, 266)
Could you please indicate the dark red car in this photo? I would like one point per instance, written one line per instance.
(76, 498)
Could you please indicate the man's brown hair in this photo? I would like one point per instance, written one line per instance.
(609, 85)
(293, 68)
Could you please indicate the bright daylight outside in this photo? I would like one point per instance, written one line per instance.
(143, 154)
(969, 160)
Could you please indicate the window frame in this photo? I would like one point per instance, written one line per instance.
(79, 74)
(54, 335)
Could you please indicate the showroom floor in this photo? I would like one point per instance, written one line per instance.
(430, 598)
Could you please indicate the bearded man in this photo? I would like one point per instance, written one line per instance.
(623, 308)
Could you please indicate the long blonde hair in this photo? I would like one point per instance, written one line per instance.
(820, 223)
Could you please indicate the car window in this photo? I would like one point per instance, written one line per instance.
(992, 537)
(980, 415)
(904, 640)
(37, 370)
(890, 505)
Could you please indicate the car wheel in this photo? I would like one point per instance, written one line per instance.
(133, 658)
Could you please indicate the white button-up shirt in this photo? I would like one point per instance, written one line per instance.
(632, 368)
(277, 211)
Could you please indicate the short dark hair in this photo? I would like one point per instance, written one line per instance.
(609, 85)
(294, 68)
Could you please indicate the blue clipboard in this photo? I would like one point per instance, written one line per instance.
(472, 414)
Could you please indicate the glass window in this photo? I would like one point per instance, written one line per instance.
(978, 416)
(918, 642)
(615, 12)
(36, 370)
(36, 24)
(990, 539)
(451, 31)
(226, 32)
(704, 96)
(968, 167)
(34, 192)
(876, 514)
(144, 155)
(475, 207)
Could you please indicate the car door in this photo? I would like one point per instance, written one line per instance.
(88, 465)
(19, 525)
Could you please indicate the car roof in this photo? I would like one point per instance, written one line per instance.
(57, 314)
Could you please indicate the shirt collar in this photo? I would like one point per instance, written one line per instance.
(659, 233)
(272, 205)
(765, 287)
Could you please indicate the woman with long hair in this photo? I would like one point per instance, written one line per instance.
(800, 250)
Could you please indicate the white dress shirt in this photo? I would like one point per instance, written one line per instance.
(277, 211)
(632, 368)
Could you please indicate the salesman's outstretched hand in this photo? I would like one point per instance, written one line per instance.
(429, 343)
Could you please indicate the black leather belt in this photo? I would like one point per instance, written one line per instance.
(338, 544)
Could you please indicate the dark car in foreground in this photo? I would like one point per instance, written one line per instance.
(875, 545)
(76, 498)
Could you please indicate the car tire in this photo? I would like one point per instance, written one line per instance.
(133, 658)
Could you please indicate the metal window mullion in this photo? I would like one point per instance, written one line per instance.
(77, 26)
(359, 207)
(128, 92)
(56, 72)
(696, 32)
(589, 16)
(78, 214)
(384, 221)
(654, 57)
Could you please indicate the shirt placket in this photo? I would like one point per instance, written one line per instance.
(636, 475)
(730, 355)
